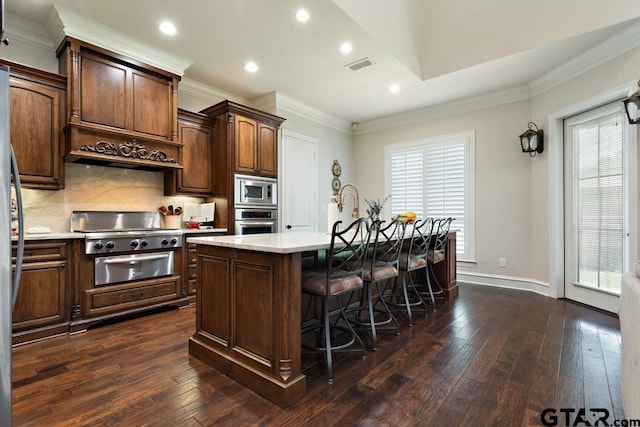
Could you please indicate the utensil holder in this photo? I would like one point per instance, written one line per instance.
(171, 221)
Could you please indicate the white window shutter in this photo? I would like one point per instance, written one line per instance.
(407, 181)
(445, 189)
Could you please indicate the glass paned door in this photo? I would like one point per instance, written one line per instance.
(596, 206)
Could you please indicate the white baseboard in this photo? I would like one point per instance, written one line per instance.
(508, 282)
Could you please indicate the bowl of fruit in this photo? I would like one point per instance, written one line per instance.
(406, 217)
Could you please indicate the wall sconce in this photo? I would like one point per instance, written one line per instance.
(632, 107)
(532, 140)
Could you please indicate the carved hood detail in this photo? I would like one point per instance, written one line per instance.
(129, 149)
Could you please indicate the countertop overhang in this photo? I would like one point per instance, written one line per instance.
(282, 243)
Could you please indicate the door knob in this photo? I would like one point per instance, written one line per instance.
(288, 227)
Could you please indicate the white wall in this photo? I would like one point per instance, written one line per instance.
(503, 177)
(31, 54)
(517, 216)
(569, 97)
(333, 144)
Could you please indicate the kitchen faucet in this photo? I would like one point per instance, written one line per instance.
(356, 197)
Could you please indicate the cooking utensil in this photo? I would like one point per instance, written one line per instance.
(170, 208)
(177, 211)
(163, 210)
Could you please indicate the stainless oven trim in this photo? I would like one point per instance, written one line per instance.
(159, 264)
(239, 211)
(239, 181)
(135, 258)
(255, 223)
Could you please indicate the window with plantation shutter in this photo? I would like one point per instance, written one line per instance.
(407, 181)
(445, 189)
(433, 178)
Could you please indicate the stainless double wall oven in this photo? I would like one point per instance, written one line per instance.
(255, 205)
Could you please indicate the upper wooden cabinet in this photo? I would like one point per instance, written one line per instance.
(251, 137)
(256, 150)
(119, 109)
(195, 132)
(37, 105)
(245, 141)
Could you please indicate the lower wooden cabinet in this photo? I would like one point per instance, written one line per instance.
(43, 303)
(189, 262)
(57, 295)
(118, 298)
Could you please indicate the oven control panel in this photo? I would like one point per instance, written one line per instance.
(113, 244)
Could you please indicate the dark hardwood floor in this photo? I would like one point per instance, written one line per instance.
(489, 357)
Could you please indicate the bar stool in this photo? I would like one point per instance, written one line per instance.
(381, 266)
(342, 274)
(436, 255)
(413, 258)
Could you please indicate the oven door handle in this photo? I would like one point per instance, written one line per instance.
(258, 223)
(135, 259)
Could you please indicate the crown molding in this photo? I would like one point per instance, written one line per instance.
(285, 103)
(28, 32)
(207, 93)
(267, 103)
(487, 100)
(62, 23)
(616, 45)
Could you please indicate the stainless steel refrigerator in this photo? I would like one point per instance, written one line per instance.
(8, 286)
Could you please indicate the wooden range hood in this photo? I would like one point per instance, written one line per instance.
(120, 111)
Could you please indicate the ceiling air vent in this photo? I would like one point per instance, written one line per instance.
(359, 64)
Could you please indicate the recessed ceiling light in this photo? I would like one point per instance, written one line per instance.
(168, 28)
(346, 47)
(302, 15)
(394, 88)
(251, 67)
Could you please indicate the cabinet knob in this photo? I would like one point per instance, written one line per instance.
(289, 227)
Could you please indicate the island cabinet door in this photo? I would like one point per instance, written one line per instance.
(248, 319)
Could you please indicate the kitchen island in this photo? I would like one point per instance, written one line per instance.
(248, 312)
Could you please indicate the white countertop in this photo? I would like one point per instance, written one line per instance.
(78, 235)
(50, 236)
(202, 230)
(282, 243)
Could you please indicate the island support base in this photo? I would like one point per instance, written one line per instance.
(248, 319)
(282, 394)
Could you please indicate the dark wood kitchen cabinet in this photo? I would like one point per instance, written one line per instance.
(245, 141)
(249, 138)
(43, 305)
(256, 151)
(37, 106)
(119, 109)
(189, 263)
(195, 132)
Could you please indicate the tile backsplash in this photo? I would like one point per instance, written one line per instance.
(89, 187)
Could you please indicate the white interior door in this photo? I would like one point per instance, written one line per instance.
(599, 190)
(299, 203)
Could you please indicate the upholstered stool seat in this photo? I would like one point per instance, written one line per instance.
(341, 275)
(314, 282)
